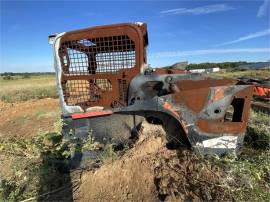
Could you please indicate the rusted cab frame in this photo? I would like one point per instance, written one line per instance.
(123, 41)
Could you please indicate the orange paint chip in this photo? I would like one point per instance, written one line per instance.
(170, 108)
(219, 94)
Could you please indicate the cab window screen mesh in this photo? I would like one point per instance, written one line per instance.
(97, 55)
(85, 92)
(77, 91)
(104, 84)
(78, 62)
(113, 61)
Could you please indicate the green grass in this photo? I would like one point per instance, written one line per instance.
(251, 175)
(252, 169)
(23, 89)
(258, 131)
(248, 175)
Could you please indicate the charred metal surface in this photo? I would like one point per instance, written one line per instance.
(201, 113)
(116, 128)
(104, 66)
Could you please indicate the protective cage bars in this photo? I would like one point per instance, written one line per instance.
(97, 55)
(97, 69)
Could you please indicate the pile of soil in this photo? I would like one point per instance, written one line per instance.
(149, 171)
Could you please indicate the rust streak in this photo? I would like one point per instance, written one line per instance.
(170, 108)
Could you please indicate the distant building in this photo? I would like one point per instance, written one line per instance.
(256, 65)
(216, 69)
(197, 70)
(208, 70)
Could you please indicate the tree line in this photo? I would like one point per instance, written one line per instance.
(26, 73)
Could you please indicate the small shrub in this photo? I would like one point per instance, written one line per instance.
(258, 131)
(26, 76)
(108, 154)
(40, 165)
(8, 77)
(257, 137)
(6, 98)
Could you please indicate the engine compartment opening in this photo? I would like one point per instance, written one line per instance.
(235, 110)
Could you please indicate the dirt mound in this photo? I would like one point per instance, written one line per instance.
(26, 119)
(151, 172)
(181, 176)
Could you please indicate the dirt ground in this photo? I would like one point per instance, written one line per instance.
(151, 172)
(27, 119)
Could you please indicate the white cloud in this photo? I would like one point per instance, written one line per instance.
(208, 52)
(199, 10)
(247, 37)
(263, 9)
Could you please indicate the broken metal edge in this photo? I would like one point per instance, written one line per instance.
(220, 145)
(58, 70)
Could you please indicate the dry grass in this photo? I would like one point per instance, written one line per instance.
(22, 89)
(249, 73)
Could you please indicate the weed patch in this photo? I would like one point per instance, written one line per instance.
(248, 73)
(37, 166)
(258, 131)
(26, 88)
(41, 165)
(248, 175)
(28, 94)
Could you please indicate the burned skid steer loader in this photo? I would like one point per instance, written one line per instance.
(106, 87)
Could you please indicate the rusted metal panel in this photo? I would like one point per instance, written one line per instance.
(160, 71)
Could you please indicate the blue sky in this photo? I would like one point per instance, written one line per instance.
(193, 31)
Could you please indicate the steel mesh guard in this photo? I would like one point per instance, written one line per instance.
(97, 55)
(84, 92)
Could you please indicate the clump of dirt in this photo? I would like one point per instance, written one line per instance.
(26, 119)
(181, 176)
(151, 172)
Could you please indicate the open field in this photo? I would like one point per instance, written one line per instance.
(22, 89)
(30, 140)
(250, 73)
